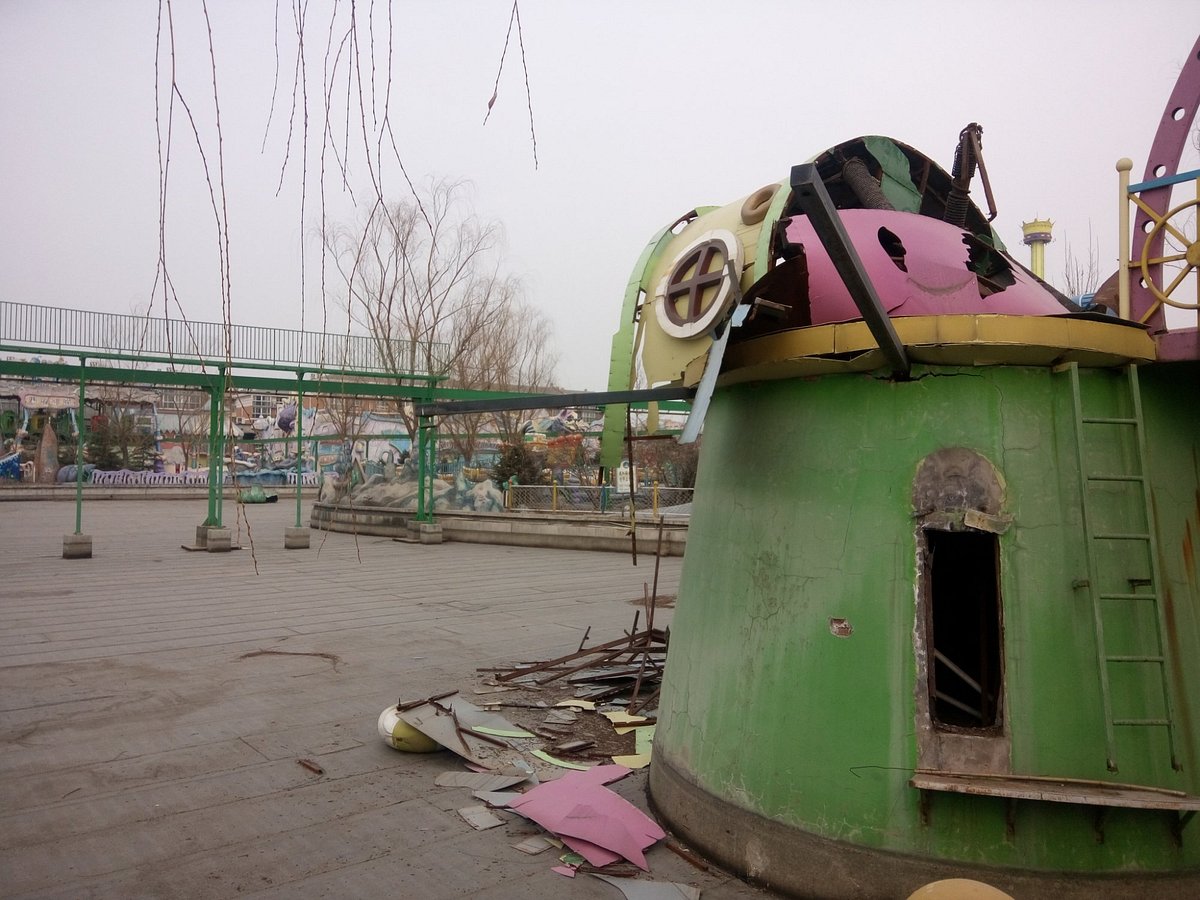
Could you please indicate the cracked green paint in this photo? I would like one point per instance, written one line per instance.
(803, 513)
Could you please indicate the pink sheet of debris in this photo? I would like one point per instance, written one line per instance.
(596, 823)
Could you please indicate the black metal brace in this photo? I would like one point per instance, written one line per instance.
(808, 191)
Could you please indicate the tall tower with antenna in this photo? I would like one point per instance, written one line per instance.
(1037, 236)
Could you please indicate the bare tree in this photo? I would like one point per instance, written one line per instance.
(192, 414)
(1082, 275)
(514, 354)
(424, 279)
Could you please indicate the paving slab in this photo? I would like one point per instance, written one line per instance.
(155, 703)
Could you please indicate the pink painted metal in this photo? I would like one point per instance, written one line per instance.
(934, 280)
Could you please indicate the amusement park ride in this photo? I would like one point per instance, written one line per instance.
(943, 620)
(950, 625)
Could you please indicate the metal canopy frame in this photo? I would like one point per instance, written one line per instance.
(545, 401)
(48, 331)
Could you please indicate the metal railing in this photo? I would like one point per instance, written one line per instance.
(653, 498)
(212, 342)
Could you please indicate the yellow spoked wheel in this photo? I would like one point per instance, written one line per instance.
(1186, 252)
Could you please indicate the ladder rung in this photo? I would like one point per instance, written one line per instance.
(1135, 659)
(1107, 420)
(1121, 537)
(1137, 722)
(1129, 597)
(1116, 478)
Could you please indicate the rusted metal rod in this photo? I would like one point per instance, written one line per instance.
(413, 704)
(552, 663)
(583, 665)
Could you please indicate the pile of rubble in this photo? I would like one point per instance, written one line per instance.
(584, 721)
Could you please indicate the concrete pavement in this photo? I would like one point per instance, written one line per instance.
(144, 754)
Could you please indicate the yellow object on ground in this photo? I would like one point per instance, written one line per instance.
(398, 734)
(958, 889)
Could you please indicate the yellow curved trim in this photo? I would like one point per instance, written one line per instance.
(936, 340)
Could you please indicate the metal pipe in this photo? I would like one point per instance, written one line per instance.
(79, 449)
(214, 427)
(545, 401)
(1124, 165)
(299, 443)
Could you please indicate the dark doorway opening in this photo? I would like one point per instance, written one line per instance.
(963, 595)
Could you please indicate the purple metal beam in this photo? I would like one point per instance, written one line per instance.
(1165, 153)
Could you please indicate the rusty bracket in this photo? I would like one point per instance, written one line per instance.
(977, 148)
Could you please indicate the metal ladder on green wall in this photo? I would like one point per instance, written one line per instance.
(1098, 535)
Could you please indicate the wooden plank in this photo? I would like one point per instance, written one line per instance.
(1055, 790)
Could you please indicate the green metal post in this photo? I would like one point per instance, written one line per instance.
(299, 442)
(433, 462)
(79, 449)
(214, 452)
(421, 470)
(221, 448)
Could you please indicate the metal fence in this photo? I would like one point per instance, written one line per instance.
(215, 342)
(652, 498)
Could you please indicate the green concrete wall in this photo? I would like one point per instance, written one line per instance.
(803, 512)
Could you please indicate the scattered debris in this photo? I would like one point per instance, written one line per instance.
(561, 763)
(605, 834)
(561, 717)
(501, 732)
(311, 766)
(632, 760)
(399, 735)
(480, 817)
(479, 781)
(572, 747)
(498, 799)
(624, 723)
(592, 820)
(625, 667)
(685, 854)
(533, 845)
(459, 725)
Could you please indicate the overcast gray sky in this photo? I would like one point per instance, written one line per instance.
(643, 110)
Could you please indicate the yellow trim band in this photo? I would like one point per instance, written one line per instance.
(935, 340)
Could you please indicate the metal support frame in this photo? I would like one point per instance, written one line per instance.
(546, 401)
(426, 466)
(216, 452)
(80, 427)
(809, 192)
(299, 446)
(217, 378)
